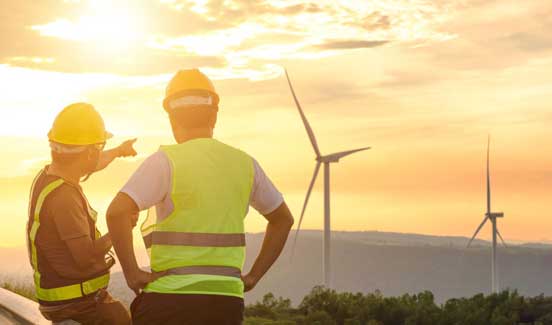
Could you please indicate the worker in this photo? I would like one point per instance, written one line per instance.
(68, 254)
(198, 192)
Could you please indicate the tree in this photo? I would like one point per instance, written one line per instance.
(324, 306)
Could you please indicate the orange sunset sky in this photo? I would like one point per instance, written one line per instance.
(423, 82)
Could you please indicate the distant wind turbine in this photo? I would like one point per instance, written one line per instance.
(492, 216)
(326, 160)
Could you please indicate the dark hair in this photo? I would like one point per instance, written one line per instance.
(194, 117)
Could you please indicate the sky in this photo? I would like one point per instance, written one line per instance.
(423, 82)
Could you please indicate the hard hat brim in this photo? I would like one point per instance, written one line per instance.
(192, 92)
(51, 137)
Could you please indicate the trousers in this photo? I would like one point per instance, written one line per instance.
(184, 309)
(98, 309)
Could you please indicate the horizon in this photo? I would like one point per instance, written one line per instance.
(422, 84)
(477, 242)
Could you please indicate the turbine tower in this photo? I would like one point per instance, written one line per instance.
(492, 216)
(326, 160)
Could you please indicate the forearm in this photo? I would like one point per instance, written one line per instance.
(100, 266)
(273, 243)
(106, 158)
(120, 228)
(102, 245)
(82, 272)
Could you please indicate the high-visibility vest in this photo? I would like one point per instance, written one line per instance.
(201, 245)
(74, 288)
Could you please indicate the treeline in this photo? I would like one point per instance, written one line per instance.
(328, 307)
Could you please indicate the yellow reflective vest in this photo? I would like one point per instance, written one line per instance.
(72, 289)
(201, 244)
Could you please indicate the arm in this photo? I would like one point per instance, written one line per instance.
(120, 221)
(125, 149)
(89, 254)
(277, 230)
(71, 221)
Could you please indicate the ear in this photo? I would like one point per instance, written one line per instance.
(214, 120)
(89, 153)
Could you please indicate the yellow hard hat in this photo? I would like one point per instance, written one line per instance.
(193, 84)
(79, 124)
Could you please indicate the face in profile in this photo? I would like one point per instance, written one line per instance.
(93, 157)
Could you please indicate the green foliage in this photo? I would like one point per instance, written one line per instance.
(323, 306)
(270, 308)
(24, 290)
(264, 321)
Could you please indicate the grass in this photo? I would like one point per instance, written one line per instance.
(22, 289)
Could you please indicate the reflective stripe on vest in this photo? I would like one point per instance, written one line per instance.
(194, 239)
(60, 293)
(200, 246)
(209, 270)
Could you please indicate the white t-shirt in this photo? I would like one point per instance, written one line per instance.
(151, 185)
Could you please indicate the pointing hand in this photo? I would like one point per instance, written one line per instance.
(126, 148)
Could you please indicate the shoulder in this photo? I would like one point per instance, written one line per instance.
(157, 158)
(65, 193)
(258, 172)
(265, 197)
(157, 164)
(154, 163)
(151, 182)
(235, 150)
(63, 198)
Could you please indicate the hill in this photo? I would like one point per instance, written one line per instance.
(367, 261)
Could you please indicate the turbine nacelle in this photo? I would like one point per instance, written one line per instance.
(327, 159)
(494, 215)
(334, 157)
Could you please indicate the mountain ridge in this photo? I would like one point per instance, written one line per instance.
(393, 263)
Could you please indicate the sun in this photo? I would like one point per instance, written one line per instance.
(111, 26)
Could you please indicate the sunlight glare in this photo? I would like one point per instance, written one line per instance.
(107, 24)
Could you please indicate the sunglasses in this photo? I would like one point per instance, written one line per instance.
(99, 146)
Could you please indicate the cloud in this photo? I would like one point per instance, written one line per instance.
(153, 37)
(408, 79)
(494, 35)
(373, 21)
(239, 11)
(532, 41)
(350, 44)
(39, 40)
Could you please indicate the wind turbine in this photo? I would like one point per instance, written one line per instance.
(326, 160)
(492, 216)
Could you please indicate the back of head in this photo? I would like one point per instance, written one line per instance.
(191, 100)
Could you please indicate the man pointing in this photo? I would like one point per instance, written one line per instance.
(66, 251)
(199, 191)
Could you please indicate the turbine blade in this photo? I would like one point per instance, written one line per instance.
(500, 236)
(339, 155)
(313, 180)
(304, 118)
(477, 231)
(488, 176)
